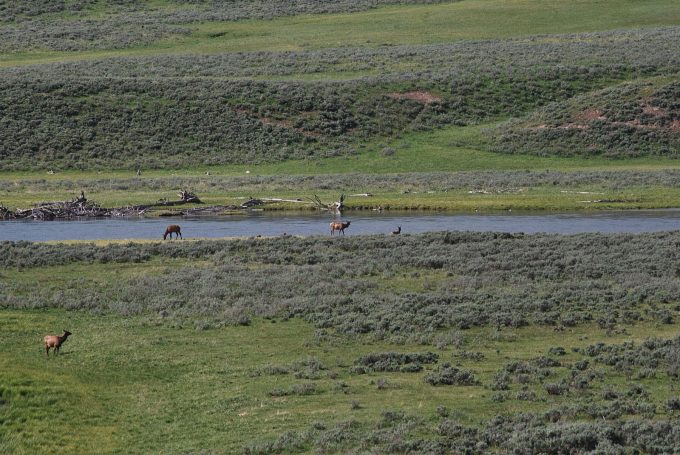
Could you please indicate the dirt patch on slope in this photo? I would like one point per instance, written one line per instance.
(417, 95)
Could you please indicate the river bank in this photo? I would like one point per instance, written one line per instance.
(482, 192)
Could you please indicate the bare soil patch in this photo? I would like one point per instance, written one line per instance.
(289, 125)
(418, 95)
(653, 111)
(591, 114)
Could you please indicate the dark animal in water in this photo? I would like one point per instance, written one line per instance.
(173, 228)
(339, 226)
(398, 231)
(55, 341)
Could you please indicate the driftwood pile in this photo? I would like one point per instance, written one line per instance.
(81, 207)
(78, 207)
(62, 210)
(216, 209)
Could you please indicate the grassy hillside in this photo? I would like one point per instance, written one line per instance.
(63, 25)
(178, 111)
(635, 119)
(35, 30)
(417, 343)
(233, 88)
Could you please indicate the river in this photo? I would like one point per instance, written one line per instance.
(277, 223)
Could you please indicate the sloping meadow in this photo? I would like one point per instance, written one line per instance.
(90, 24)
(234, 108)
(640, 118)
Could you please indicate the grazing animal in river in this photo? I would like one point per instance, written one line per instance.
(398, 231)
(339, 226)
(55, 341)
(173, 228)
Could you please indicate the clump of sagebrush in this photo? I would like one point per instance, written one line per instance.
(450, 338)
(393, 361)
(306, 388)
(528, 372)
(470, 355)
(501, 381)
(449, 375)
(308, 368)
(648, 357)
(287, 441)
(673, 404)
(550, 432)
(539, 366)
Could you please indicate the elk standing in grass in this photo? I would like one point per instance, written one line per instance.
(339, 226)
(55, 341)
(173, 228)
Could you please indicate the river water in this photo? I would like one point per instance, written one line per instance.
(275, 224)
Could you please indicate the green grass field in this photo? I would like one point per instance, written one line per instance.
(430, 24)
(393, 25)
(124, 385)
(453, 149)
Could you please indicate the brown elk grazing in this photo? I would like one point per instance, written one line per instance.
(173, 228)
(339, 226)
(55, 341)
(398, 231)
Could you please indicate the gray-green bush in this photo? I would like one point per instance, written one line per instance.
(548, 279)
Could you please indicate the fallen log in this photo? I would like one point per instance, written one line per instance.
(251, 203)
(165, 203)
(131, 210)
(276, 199)
(210, 210)
(188, 197)
(336, 206)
